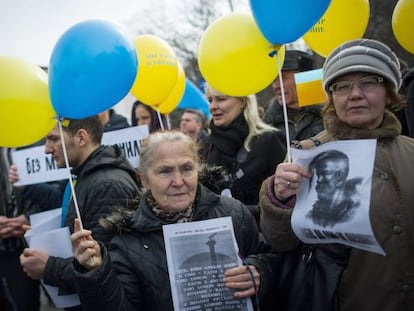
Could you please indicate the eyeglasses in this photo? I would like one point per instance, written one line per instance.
(367, 83)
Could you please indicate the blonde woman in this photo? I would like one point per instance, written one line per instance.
(244, 146)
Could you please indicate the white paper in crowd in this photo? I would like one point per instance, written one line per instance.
(198, 254)
(34, 166)
(39, 218)
(226, 192)
(336, 211)
(43, 222)
(129, 140)
(56, 243)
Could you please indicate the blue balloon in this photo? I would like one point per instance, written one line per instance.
(284, 21)
(193, 98)
(92, 67)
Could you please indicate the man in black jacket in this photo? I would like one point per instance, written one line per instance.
(105, 181)
(112, 121)
(304, 122)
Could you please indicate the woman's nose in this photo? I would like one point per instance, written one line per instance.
(177, 178)
(355, 90)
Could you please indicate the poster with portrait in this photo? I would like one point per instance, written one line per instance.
(198, 254)
(333, 205)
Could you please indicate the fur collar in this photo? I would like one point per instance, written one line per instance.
(389, 128)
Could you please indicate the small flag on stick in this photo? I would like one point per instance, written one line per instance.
(309, 88)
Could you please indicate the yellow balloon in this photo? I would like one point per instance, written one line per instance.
(176, 94)
(26, 113)
(233, 56)
(343, 20)
(157, 70)
(403, 24)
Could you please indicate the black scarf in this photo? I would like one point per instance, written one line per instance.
(227, 141)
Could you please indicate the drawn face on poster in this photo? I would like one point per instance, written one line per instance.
(337, 197)
(333, 205)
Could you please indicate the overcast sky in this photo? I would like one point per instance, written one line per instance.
(29, 29)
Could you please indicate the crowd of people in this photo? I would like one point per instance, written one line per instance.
(234, 165)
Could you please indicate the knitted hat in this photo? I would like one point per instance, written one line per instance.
(297, 60)
(362, 55)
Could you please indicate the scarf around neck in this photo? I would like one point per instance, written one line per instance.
(173, 217)
(230, 138)
(389, 128)
(227, 141)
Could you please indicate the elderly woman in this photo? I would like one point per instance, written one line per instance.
(242, 144)
(133, 274)
(361, 78)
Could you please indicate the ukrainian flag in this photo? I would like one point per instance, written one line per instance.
(309, 88)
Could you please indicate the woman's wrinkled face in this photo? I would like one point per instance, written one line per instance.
(172, 176)
(142, 115)
(361, 108)
(224, 109)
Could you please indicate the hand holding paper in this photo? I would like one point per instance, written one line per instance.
(34, 262)
(240, 279)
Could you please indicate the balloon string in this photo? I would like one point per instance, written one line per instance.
(168, 122)
(285, 116)
(160, 120)
(72, 188)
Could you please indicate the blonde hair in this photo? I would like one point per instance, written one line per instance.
(256, 125)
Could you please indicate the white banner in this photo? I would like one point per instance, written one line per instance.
(34, 166)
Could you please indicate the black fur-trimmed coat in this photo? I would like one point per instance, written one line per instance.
(134, 273)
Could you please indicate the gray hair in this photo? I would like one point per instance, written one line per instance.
(156, 139)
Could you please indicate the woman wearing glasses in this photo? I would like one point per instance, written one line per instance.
(361, 78)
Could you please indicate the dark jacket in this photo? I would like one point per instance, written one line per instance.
(249, 168)
(408, 91)
(139, 277)
(116, 122)
(8, 206)
(105, 181)
(369, 281)
(303, 123)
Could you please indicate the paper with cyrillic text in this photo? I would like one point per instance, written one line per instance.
(34, 166)
(198, 254)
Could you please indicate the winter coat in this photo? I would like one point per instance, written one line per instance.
(105, 181)
(8, 207)
(251, 167)
(408, 91)
(303, 123)
(369, 281)
(116, 122)
(135, 275)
